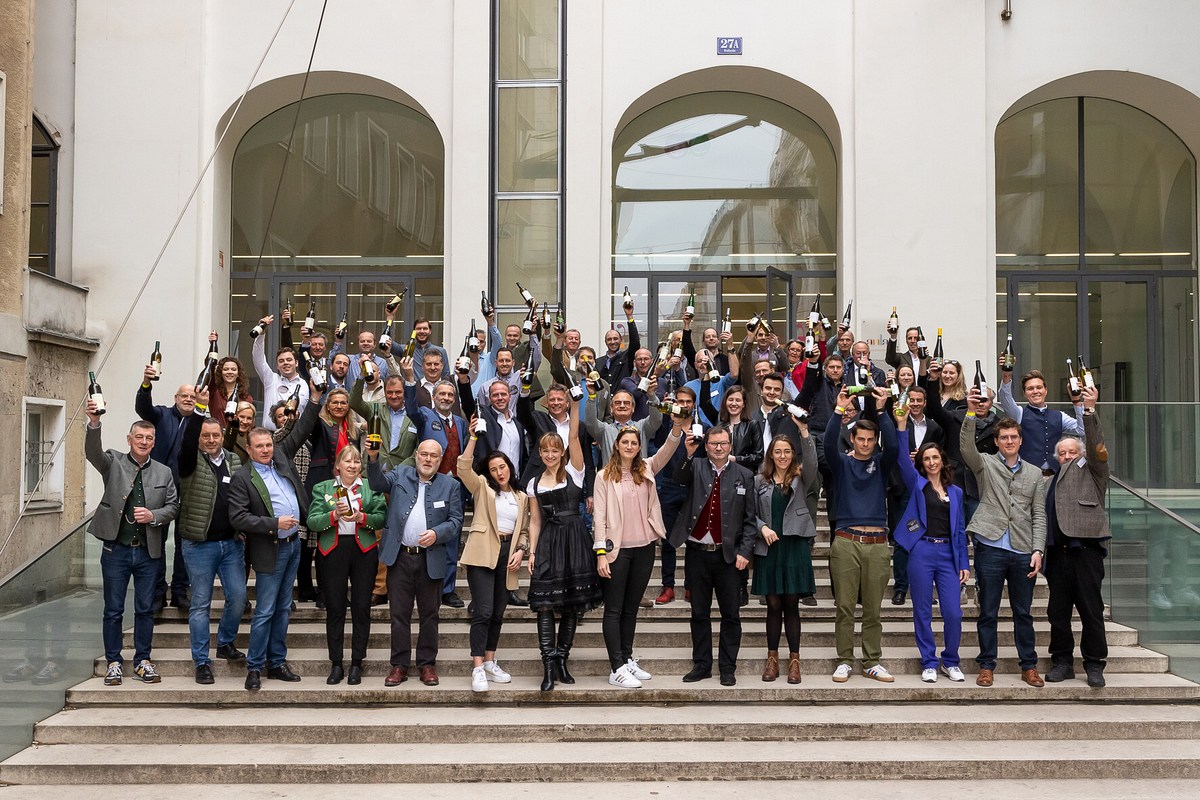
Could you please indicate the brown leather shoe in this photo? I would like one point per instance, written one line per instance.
(429, 676)
(985, 678)
(1031, 677)
(397, 676)
(794, 668)
(771, 670)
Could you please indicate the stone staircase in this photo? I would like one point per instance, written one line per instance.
(1138, 736)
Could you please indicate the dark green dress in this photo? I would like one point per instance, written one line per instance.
(787, 567)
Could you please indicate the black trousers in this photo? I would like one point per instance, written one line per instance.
(489, 598)
(408, 580)
(304, 575)
(623, 592)
(347, 563)
(707, 572)
(1074, 576)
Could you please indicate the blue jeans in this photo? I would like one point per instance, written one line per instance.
(205, 561)
(118, 563)
(273, 609)
(993, 567)
(931, 564)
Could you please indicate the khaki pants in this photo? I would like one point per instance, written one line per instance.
(856, 567)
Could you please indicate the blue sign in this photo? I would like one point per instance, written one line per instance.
(729, 45)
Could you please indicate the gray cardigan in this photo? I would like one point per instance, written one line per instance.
(1010, 501)
(118, 471)
(796, 519)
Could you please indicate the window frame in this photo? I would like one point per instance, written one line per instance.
(50, 153)
(49, 495)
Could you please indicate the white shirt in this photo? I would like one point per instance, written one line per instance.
(919, 428)
(573, 475)
(563, 428)
(415, 525)
(275, 386)
(510, 439)
(506, 512)
(349, 527)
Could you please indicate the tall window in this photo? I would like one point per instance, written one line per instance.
(43, 191)
(527, 131)
(730, 196)
(1096, 241)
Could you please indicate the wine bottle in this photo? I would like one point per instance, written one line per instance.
(391, 305)
(214, 354)
(315, 373)
(529, 325)
(340, 331)
(766, 326)
(727, 325)
(690, 310)
(340, 493)
(814, 313)
(257, 330)
(627, 300)
(593, 382)
(368, 370)
(291, 316)
(411, 348)
(893, 387)
(902, 402)
(204, 376)
(798, 413)
(462, 364)
(697, 425)
(375, 431)
(560, 319)
(669, 407)
(922, 345)
(480, 426)
(825, 323)
(1073, 385)
(752, 323)
(810, 342)
(472, 339)
(980, 380)
(292, 405)
(231, 409)
(893, 323)
(156, 361)
(527, 374)
(846, 316)
(485, 305)
(525, 295)
(1009, 357)
(94, 393)
(710, 366)
(1085, 375)
(385, 338)
(938, 356)
(310, 321)
(546, 323)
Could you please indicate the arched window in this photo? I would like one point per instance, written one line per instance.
(1096, 256)
(729, 195)
(43, 199)
(350, 216)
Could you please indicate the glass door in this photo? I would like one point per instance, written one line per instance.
(671, 300)
(779, 304)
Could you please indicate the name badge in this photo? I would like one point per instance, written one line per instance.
(913, 525)
(439, 503)
(741, 490)
(437, 426)
(225, 479)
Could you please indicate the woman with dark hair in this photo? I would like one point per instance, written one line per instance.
(346, 516)
(228, 381)
(783, 569)
(745, 432)
(496, 544)
(627, 524)
(338, 428)
(562, 565)
(933, 532)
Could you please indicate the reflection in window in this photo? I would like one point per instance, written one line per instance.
(43, 199)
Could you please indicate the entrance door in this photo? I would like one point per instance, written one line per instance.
(779, 304)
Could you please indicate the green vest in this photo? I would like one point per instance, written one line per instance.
(198, 496)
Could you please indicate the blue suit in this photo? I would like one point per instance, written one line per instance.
(443, 512)
(933, 561)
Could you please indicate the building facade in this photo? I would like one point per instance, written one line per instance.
(1033, 176)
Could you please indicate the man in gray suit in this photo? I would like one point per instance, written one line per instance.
(424, 513)
(1077, 535)
(718, 528)
(139, 501)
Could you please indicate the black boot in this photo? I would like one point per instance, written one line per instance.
(566, 637)
(545, 629)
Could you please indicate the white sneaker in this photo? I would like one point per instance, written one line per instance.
(495, 673)
(636, 671)
(624, 678)
(953, 673)
(929, 675)
(479, 680)
(879, 672)
(1158, 599)
(842, 673)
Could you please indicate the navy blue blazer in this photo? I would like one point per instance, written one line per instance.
(443, 512)
(428, 423)
(912, 525)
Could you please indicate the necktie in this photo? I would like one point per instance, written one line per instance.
(453, 449)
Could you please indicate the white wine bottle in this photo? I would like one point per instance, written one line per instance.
(156, 361)
(95, 394)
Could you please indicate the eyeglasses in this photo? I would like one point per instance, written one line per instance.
(718, 444)
(952, 361)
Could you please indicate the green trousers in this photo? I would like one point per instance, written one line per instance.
(865, 568)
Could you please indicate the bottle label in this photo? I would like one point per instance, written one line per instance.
(98, 399)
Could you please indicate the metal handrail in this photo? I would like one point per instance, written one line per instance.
(1158, 507)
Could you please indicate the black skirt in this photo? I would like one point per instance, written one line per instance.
(564, 568)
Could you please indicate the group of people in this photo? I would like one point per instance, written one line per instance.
(365, 466)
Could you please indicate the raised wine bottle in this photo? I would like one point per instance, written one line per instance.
(766, 326)
(825, 323)
(525, 295)
(1009, 357)
(1085, 375)
(94, 393)
(797, 412)
(257, 330)
(315, 373)
(293, 402)
(752, 323)
(411, 348)
(529, 324)
(893, 323)
(893, 387)
(375, 431)
(391, 305)
(727, 325)
(697, 425)
(472, 339)
(938, 355)
(462, 364)
(810, 342)
(231, 409)
(627, 300)
(340, 331)
(385, 338)
(710, 366)
(527, 374)
(214, 354)
(814, 313)
(204, 376)
(690, 310)
(980, 380)
(846, 316)
(922, 345)
(485, 305)
(560, 319)
(291, 316)
(156, 361)
(1073, 385)
(368, 370)
(310, 321)
(546, 323)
